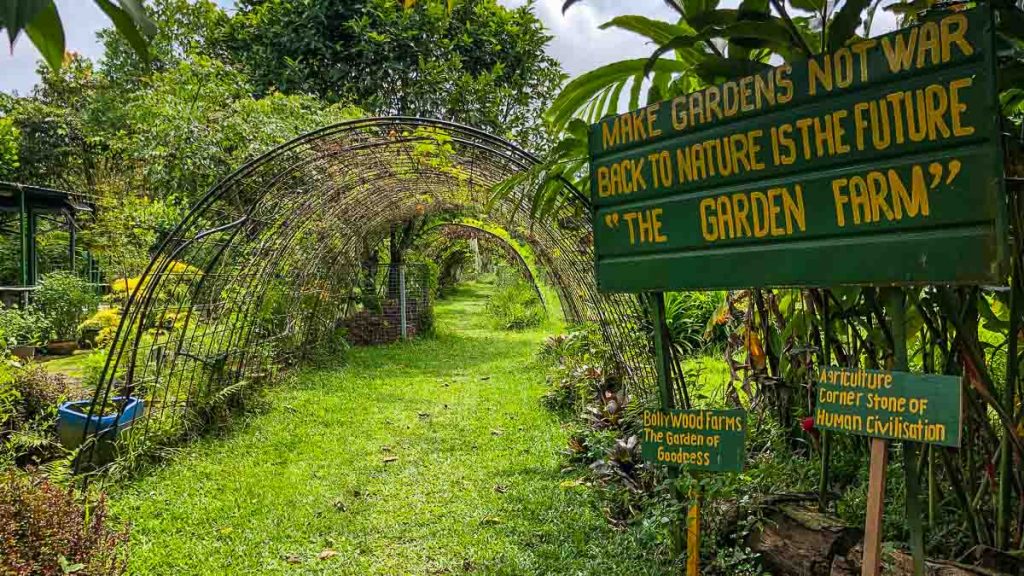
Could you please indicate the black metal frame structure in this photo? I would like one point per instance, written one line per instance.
(263, 268)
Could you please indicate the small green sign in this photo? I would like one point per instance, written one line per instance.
(868, 165)
(696, 440)
(893, 405)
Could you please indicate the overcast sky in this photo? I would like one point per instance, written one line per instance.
(578, 43)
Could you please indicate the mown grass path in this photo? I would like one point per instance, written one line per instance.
(429, 457)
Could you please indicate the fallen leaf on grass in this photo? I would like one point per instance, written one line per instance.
(423, 415)
(501, 489)
(389, 459)
(293, 559)
(485, 377)
(491, 520)
(328, 553)
(69, 568)
(339, 505)
(497, 432)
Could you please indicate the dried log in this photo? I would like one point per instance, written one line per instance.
(794, 539)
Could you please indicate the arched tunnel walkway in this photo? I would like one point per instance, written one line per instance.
(442, 239)
(433, 456)
(266, 264)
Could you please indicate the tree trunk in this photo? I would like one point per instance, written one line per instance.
(795, 539)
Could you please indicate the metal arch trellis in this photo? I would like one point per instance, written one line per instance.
(262, 269)
(441, 235)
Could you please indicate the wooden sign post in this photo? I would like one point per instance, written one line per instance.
(695, 440)
(693, 536)
(866, 166)
(871, 563)
(891, 405)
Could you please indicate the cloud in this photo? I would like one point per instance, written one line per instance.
(577, 41)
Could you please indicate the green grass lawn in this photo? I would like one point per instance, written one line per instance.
(429, 457)
(76, 366)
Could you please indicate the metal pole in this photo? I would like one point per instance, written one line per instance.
(663, 365)
(33, 260)
(826, 442)
(401, 301)
(72, 241)
(23, 230)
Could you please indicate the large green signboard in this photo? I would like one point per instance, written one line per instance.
(879, 163)
(892, 405)
(696, 440)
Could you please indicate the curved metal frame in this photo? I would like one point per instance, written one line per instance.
(510, 250)
(265, 265)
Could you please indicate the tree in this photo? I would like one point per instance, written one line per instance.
(184, 29)
(191, 125)
(58, 146)
(9, 136)
(470, 61)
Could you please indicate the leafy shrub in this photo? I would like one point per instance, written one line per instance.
(691, 319)
(22, 326)
(10, 399)
(515, 306)
(582, 369)
(47, 531)
(64, 299)
(41, 391)
(29, 398)
(104, 322)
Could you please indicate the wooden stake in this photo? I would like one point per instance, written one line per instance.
(693, 536)
(872, 561)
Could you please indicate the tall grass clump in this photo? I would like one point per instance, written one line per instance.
(514, 305)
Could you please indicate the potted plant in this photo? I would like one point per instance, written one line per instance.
(101, 422)
(64, 300)
(21, 330)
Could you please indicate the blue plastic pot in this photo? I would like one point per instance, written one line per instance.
(73, 417)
